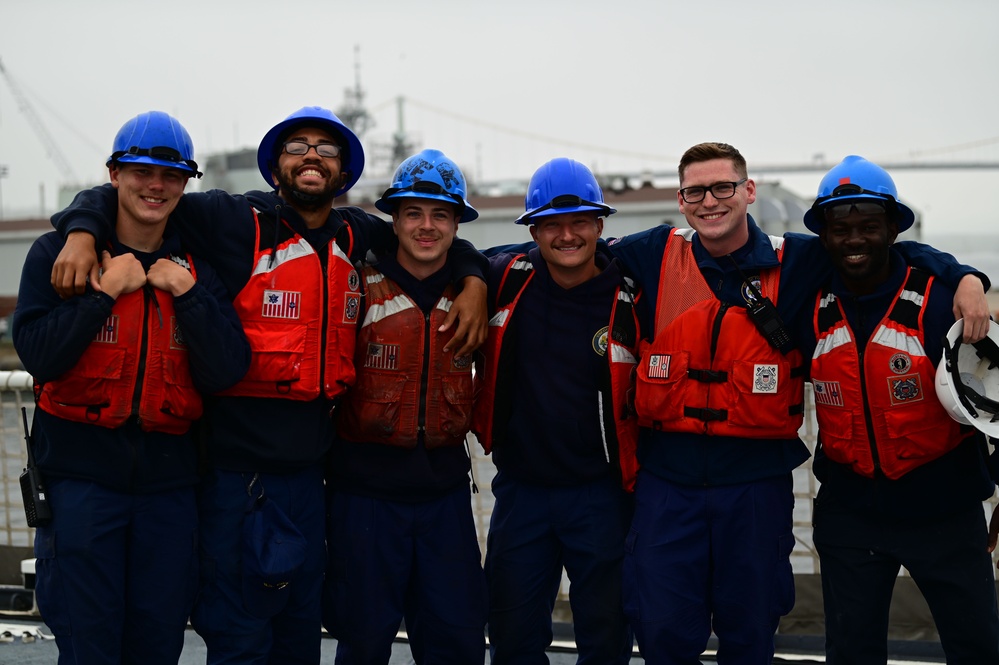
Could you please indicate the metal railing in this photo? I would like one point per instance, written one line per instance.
(15, 393)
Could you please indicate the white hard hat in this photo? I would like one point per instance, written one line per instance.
(967, 379)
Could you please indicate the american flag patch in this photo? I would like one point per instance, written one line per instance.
(108, 334)
(281, 304)
(828, 393)
(659, 367)
(382, 356)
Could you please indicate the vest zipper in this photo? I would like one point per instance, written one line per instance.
(140, 369)
(421, 423)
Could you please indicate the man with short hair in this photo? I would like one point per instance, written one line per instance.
(287, 258)
(119, 376)
(902, 482)
(552, 407)
(402, 540)
(720, 398)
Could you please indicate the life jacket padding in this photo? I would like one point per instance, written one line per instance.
(137, 364)
(299, 310)
(709, 370)
(909, 425)
(398, 349)
(495, 383)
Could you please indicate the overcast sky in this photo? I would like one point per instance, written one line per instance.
(621, 85)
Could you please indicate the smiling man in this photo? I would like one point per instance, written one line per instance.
(902, 483)
(402, 540)
(119, 379)
(551, 406)
(720, 398)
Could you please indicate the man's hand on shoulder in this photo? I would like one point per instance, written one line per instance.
(76, 264)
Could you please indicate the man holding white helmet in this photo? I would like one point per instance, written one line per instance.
(902, 481)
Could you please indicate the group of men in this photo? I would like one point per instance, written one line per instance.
(641, 400)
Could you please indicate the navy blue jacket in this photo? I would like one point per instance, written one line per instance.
(554, 434)
(958, 480)
(701, 460)
(249, 434)
(51, 335)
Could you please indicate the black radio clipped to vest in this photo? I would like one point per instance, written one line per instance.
(37, 510)
(764, 315)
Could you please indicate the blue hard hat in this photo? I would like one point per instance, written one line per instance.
(560, 186)
(352, 163)
(154, 138)
(856, 178)
(429, 174)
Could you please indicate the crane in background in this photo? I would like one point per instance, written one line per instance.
(52, 150)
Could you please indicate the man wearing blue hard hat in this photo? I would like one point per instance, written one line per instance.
(287, 257)
(119, 376)
(902, 481)
(402, 541)
(720, 400)
(552, 408)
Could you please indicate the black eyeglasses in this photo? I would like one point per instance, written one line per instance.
(719, 190)
(328, 150)
(162, 153)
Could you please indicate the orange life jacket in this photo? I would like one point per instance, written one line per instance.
(136, 365)
(299, 312)
(708, 369)
(399, 351)
(908, 424)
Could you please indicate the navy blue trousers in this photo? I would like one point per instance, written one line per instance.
(389, 561)
(699, 559)
(232, 633)
(116, 573)
(861, 555)
(536, 531)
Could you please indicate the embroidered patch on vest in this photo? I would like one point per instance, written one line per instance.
(353, 281)
(176, 335)
(281, 304)
(351, 307)
(900, 363)
(461, 363)
(905, 389)
(765, 379)
(108, 334)
(600, 341)
(659, 367)
(747, 293)
(382, 356)
(828, 392)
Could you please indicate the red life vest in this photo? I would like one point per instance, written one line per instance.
(299, 312)
(708, 370)
(136, 365)
(896, 383)
(399, 350)
(495, 384)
